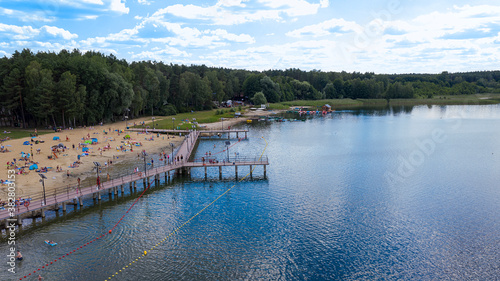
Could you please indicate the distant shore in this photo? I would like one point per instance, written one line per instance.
(479, 99)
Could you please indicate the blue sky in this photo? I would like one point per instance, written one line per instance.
(381, 36)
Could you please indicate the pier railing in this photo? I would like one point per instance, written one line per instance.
(236, 160)
(65, 193)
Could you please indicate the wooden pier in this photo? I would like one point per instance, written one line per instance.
(37, 206)
(204, 133)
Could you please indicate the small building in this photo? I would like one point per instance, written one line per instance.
(326, 108)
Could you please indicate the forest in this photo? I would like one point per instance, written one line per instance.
(71, 88)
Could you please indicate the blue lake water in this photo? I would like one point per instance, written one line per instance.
(401, 193)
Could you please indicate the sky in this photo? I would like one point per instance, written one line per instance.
(381, 36)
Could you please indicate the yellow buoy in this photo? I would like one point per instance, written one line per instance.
(145, 252)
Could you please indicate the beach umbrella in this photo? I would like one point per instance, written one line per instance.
(60, 145)
(85, 149)
(88, 141)
(55, 138)
(34, 167)
(127, 136)
(26, 143)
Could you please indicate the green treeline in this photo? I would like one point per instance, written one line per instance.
(66, 89)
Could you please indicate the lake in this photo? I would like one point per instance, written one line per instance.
(389, 193)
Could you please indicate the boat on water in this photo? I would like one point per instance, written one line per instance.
(249, 121)
(51, 243)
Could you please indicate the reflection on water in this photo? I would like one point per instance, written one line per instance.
(329, 209)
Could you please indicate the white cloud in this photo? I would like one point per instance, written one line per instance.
(28, 32)
(324, 3)
(190, 11)
(77, 3)
(144, 2)
(221, 34)
(34, 17)
(314, 53)
(232, 3)
(58, 32)
(435, 25)
(292, 8)
(160, 54)
(118, 6)
(89, 17)
(95, 2)
(16, 29)
(154, 30)
(333, 26)
(219, 15)
(427, 43)
(6, 11)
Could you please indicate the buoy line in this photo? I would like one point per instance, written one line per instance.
(144, 254)
(88, 243)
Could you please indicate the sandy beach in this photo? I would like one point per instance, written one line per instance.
(111, 146)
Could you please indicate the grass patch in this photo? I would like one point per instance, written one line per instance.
(17, 133)
(182, 121)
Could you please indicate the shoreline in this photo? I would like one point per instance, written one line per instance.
(111, 147)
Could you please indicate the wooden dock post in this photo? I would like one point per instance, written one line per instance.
(245, 135)
(19, 220)
(64, 207)
(250, 171)
(109, 191)
(205, 172)
(80, 201)
(42, 212)
(94, 195)
(121, 188)
(236, 171)
(265, 171)
(220, 172)
(99, 195)
(56, 206)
